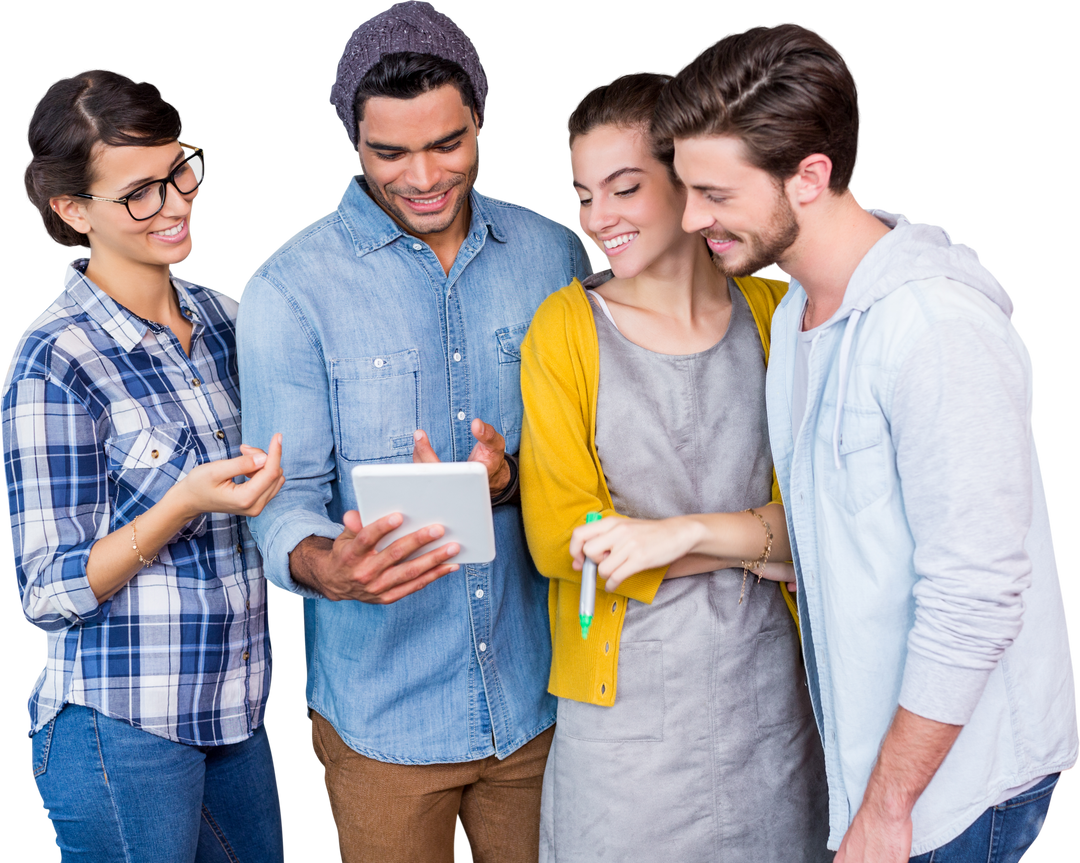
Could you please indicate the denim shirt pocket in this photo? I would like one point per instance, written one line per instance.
(376, 405)
(510, 409)
(863, 475)
(143, 465)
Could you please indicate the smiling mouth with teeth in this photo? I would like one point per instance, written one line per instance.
(620, 240)
(173, 231)
(427, 201)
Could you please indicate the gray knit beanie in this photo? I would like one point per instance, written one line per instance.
(411, 26)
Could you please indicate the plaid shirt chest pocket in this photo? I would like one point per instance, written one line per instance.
(143, 465)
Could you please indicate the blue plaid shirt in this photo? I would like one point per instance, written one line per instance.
(103, 412)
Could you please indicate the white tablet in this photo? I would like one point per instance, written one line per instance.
(453, 494)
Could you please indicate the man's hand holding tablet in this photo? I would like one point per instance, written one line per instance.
(352, 567)
(349, 567)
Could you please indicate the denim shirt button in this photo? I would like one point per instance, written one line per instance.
(479, 593)
(417, 247)
(379, 363)
(457, 357)
(483, 647)
(461, 415)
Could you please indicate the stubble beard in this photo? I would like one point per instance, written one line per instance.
(762, 248)
(408, 219)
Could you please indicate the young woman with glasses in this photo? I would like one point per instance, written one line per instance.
(684, 728)
(128, 485)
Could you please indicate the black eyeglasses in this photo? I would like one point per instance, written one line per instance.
(146, 201)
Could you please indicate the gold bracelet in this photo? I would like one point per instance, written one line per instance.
(747, 565)
(135, 545)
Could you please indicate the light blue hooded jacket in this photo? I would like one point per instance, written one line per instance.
(920, 531)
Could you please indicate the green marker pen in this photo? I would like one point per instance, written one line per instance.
(587, 606)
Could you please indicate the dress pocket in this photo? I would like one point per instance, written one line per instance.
(510, 409)
(376, 405)
(779, 679)
(638, 712)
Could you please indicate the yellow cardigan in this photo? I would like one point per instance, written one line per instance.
(562, 481)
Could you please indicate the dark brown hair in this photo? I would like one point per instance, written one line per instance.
(783, 91)
(74, 116)
(406, 75)
(627, 102)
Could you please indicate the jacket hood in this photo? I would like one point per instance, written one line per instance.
(911, 253)
(908, 253)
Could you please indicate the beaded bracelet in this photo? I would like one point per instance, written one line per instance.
(748, 565)
(135, 545)
(511, 491)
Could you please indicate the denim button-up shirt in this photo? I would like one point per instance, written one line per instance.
(351, 337)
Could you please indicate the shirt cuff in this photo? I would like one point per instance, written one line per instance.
(643, 585)
(944, 693)
(72, 593)
(286, 535)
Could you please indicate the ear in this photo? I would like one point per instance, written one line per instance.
(72, 211)
(811, 179)
(475, 120)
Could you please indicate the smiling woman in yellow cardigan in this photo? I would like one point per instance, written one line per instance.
(562, 481)
(684, 728)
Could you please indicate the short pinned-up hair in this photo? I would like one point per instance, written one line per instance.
(407, 74)
(72, 118)
(783, 91)
(627, 102)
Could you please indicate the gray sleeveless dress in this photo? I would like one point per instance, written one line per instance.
(710, 752)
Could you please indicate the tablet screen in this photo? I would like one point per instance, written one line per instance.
(453, 494)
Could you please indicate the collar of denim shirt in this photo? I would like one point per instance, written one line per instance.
(372, 228)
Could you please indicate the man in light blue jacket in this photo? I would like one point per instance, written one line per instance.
(899, 400)
(386, 332)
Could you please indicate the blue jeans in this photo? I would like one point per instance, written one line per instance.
(117, 794)
(1002, 833)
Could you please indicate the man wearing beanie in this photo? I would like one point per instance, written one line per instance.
(389, 331)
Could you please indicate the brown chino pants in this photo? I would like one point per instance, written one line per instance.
(406, 813)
